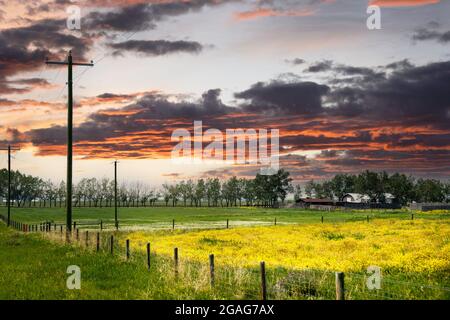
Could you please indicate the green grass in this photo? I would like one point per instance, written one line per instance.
(33, 266)
(204, 217)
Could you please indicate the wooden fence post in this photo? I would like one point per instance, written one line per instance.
(98, 241)
(173, 224)
(101, 225)
(263, 281)
(175, 258)
(228, 223)
(87, 238)
(112, 244)
(78, 235)
(275, 223)
(367, 218)
(68, 234)
(340, 288)
(412, 216)
(211, 269)
(61, 229)
(148, 255)
(322, 219)
(128, 248)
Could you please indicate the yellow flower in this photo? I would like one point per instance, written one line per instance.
(393, 245)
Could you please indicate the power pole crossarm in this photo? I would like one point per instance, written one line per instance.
(69, 63)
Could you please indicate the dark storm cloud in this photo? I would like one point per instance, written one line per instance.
(280, 97)
(48, 34)
(152, 112)
(320, 66)
(400, 65)
(425, 34)
(156, 47)
(399, 121)
(347, 70)
(416, 95)
(24, 49)
(143, 16)
(130, 18)
(359, 71)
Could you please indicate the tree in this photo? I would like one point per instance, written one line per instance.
(429, 190)
(401, 187)
(371, 184)
(310, 188)
(281, 185)
(297, 192)
(200, 191)
(61, 192)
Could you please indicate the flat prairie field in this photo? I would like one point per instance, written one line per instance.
(409, 253)
(204, 217)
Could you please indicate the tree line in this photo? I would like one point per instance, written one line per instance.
(375, 185)
(27, 190)
(269, 191)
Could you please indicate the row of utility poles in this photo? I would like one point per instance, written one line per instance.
(69, 63)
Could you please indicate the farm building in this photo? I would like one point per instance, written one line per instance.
(363, 198)
(355, 198)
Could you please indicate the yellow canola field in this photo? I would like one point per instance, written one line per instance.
(393, 245)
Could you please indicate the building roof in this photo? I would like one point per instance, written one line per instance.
(358, 196)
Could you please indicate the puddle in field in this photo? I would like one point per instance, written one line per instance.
(190, 226)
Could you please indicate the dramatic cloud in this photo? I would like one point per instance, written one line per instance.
(390, 123)
(424, 34)
(24, 49)
(281, 98)
(320, 66)
(333, 117)
(143, 16)
(156, 47)
(144, 126)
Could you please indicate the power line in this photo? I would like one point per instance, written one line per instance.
(105, 53)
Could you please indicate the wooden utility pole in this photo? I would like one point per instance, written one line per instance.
(9, 148)
(69, 63)
(115, 195)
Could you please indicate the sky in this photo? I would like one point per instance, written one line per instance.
(345, 98)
